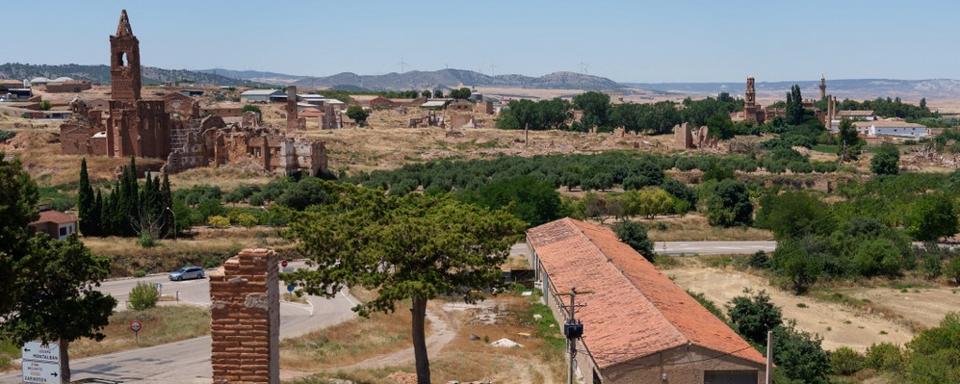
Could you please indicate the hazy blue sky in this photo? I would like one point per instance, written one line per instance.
(644, 41)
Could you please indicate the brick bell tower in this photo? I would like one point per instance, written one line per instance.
(125, 62)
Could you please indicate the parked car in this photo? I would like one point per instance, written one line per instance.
(187, 273)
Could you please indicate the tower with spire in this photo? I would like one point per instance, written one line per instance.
(823, 87)
(125, 62)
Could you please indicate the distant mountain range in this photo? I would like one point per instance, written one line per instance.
(444, 78)
(450, 78)
(101, 74)
(841, 88)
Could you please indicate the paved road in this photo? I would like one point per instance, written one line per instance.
(188, 361)
(691, 248)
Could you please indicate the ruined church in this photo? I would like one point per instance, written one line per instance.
(172, 127)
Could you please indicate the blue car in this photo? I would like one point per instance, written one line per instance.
(186, 273)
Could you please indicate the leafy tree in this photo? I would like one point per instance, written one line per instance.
(45, 105)
(437, 93)
(543, 114)
(251, 108)
(953, 269)
(752, 315)
(794, 110)
(648, 202)
(794, 215)
(462, 93)
(729, 204)
(800, 355)
(18, 196)
(306, 192)
(529, 199)
(886, 161)
(877, 257)
(797, 265)
(633, 234)
(426, 94)
(935, 353)
(61, 302)
(851, 145)
(414, 247)
(358, 114)
(595, 107)
(931, 217)
(680, 191)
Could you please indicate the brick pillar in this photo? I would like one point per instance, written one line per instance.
(245, 319)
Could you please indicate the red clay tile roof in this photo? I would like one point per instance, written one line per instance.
(55, 217)
(634, 310)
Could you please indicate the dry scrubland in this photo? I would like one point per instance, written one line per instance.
(460, 351)
(853, 315)
(209, 247)
(161, 325)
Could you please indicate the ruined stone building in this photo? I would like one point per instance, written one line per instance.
(131, 126)
(173, 127)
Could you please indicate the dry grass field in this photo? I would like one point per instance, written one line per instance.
(855, 316)
(468, 355)
(161, 325)
(209, 247)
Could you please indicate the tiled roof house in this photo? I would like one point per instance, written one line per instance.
(639, 327)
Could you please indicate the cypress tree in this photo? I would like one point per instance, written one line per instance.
(97, 213)
(166, 205)
(86, 202)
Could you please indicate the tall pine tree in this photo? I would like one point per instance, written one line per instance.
(86, 202)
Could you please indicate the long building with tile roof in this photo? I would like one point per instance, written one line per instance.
(639, 327)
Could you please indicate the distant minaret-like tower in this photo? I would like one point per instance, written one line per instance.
(125, 62)
(750, 102)
(823, 87)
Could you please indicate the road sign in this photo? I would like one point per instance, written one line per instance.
(283, 263)
(291, 287)
(136, 326)
(41, 362)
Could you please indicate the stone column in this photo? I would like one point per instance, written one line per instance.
(245, 319)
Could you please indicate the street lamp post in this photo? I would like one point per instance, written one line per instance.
(174, 215)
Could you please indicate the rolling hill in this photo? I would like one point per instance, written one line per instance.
(444, 78)
(101, 74)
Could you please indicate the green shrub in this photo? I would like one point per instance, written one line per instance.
(884, 357)
(218, 221)
(6, 135)
(634, 235)
(752, 315)
(953, 269)
(139, 273)
(146, 240)
(931, 265)
(846, 361)
(759, 260)
(143, 296)
(246, 220)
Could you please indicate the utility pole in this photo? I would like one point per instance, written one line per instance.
(769, 367)
(526, 134)
(572, 329)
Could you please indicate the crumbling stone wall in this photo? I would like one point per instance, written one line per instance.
(245, 319)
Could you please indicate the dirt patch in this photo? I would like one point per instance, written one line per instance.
(837, 324)
(923, 306)
(468, 356)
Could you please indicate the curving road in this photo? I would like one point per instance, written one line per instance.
(188, 361)
(693, 248)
